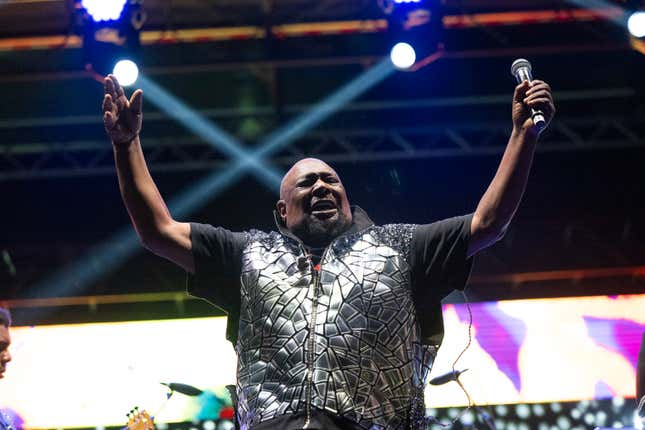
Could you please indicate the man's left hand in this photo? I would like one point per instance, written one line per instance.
(537, 95)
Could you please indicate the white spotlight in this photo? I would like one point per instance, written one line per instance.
(636, 24)
(638, 422)
(126, 72)
(104, 10)
(403, 55)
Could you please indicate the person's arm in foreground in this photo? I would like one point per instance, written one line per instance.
(156, 228)
(502, 198)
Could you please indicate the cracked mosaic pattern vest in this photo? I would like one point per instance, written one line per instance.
(341, 337)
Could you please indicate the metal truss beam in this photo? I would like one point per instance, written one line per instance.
(362, 143)
(363, 60)
(339, 145)
(201, 35)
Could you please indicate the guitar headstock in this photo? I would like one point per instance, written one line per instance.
(139, 420)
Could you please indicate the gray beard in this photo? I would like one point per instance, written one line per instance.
(320, 233)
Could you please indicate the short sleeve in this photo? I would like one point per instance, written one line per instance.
(217, 253)
(439, 264)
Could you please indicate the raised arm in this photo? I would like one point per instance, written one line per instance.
(156, 228)
(502, 198)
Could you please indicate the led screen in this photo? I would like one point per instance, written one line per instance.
(84, 375)
(87, 375)
(541, 350)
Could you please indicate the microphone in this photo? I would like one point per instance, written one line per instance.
(446, 377)
(521, 69)
(303, 262)
(185, 389)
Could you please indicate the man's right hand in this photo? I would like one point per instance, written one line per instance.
(121, 117)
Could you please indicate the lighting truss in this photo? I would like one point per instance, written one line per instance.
(31, 160)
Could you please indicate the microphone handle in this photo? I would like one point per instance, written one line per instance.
(524, 74)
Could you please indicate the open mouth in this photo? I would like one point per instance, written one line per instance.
(323, 207)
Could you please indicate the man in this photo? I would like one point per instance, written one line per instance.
(5, 340)
(335, 321)
(5, 357)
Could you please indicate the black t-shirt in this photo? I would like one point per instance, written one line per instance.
(438, 261)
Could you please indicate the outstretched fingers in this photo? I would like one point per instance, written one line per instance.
(107, 105)
(109, 112)
(116, 91)
(109, 87)
(136, 102)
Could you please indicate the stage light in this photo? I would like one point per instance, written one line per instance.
(636, 24)
(468, 418)
(211, 133)
(403, 55)
(126, 71)
(110, 30)
(501, 410)
(225, 425)
(117, 249)
(563, 423)
(617, 402)
(538, 410)
(523, 411)
(104, 10)
(414, 31)
(638, 422)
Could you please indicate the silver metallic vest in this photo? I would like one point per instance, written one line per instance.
(341, 337)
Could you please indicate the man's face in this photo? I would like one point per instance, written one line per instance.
(5, 356)
(313, 203)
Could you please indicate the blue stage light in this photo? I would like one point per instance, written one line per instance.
(636, 24)
(104, 10)
(403, 55)
(126, 71)
(407, 1)
(207, 130)
(105, 257)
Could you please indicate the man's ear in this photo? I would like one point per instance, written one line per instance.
(281, 207)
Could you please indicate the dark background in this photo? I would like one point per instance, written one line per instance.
(582, 211)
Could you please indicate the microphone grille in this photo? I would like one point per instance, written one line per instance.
(518, 64)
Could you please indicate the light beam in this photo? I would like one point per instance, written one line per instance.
(116, 250)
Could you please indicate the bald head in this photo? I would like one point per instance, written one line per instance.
(313, 203)
(306, 165)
